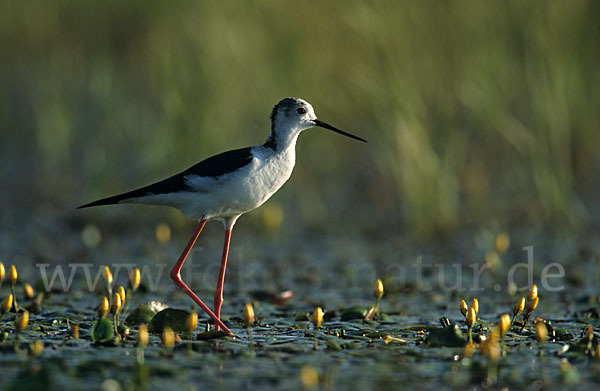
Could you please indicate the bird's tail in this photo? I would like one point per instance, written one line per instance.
(173, 184)
(116, 199)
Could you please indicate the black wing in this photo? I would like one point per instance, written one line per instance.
(214, 166)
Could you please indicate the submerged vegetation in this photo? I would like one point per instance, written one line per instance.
(470, 345)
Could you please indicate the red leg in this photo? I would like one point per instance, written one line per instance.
(221, 280)
(176, 276)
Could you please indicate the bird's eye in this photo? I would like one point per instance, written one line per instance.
(301, 110)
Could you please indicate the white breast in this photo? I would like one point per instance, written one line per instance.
(235, 193)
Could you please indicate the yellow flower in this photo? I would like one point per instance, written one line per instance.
(191, 322)
(309, 377)
(541, 331)
(490, 346)
(318, 317)
(471, 317)
(75, 331)
(475, 305)
(37, 347)
(142, 337)
(121, 292)
(28, 291)
(168, 337)
(494, 335)
(469, 350)
(502, 242)
(249, 314)
(107, 275)
(532, 305)
(117, 304)
(378, 289)
(533, 293)
(504, 324)
(2, 272)
(135, 277)
(162, 233)
(103, 308)
(463, 308)
(22, 321)
(519, 307)
(12, 275)
(7, 304)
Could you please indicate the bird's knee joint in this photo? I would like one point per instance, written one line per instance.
(218, 300)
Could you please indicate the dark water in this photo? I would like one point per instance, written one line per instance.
(423, 282)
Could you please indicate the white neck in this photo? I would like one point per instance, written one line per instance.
(281, 140)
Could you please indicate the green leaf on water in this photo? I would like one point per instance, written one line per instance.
(172, 317)
(301, 317)
(145, 312)
(102, 331)
(353, 313)
(332, 345)
(450, 336)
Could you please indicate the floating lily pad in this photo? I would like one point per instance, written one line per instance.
(563, 334)
(332, 345)
(145, 312)
(353, 313)
(450, 336)
(301, 317)
(102, 331)
(172, 317)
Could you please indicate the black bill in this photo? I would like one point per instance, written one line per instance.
(327, 126)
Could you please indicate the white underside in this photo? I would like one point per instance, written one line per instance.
(231, 195)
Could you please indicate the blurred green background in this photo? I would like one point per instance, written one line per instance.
(477, 113)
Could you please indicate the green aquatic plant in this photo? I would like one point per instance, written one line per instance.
(463, 308)
(142, 342)
(102, 329)
(191, 322)
(517, 309)
(12, 280)
(541, 334)
(317, 320)
(167, 338)
(133, 283)
(249, 320)
(471, 317)
(2, 274)
(108, 281)
(28, 291)
(115, 310)
(503, 327)
(6, 305)
(531, 306)
(20, 324)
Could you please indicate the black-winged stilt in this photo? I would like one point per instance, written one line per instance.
(225, 186)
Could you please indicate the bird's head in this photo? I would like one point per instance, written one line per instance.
(292, 115)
